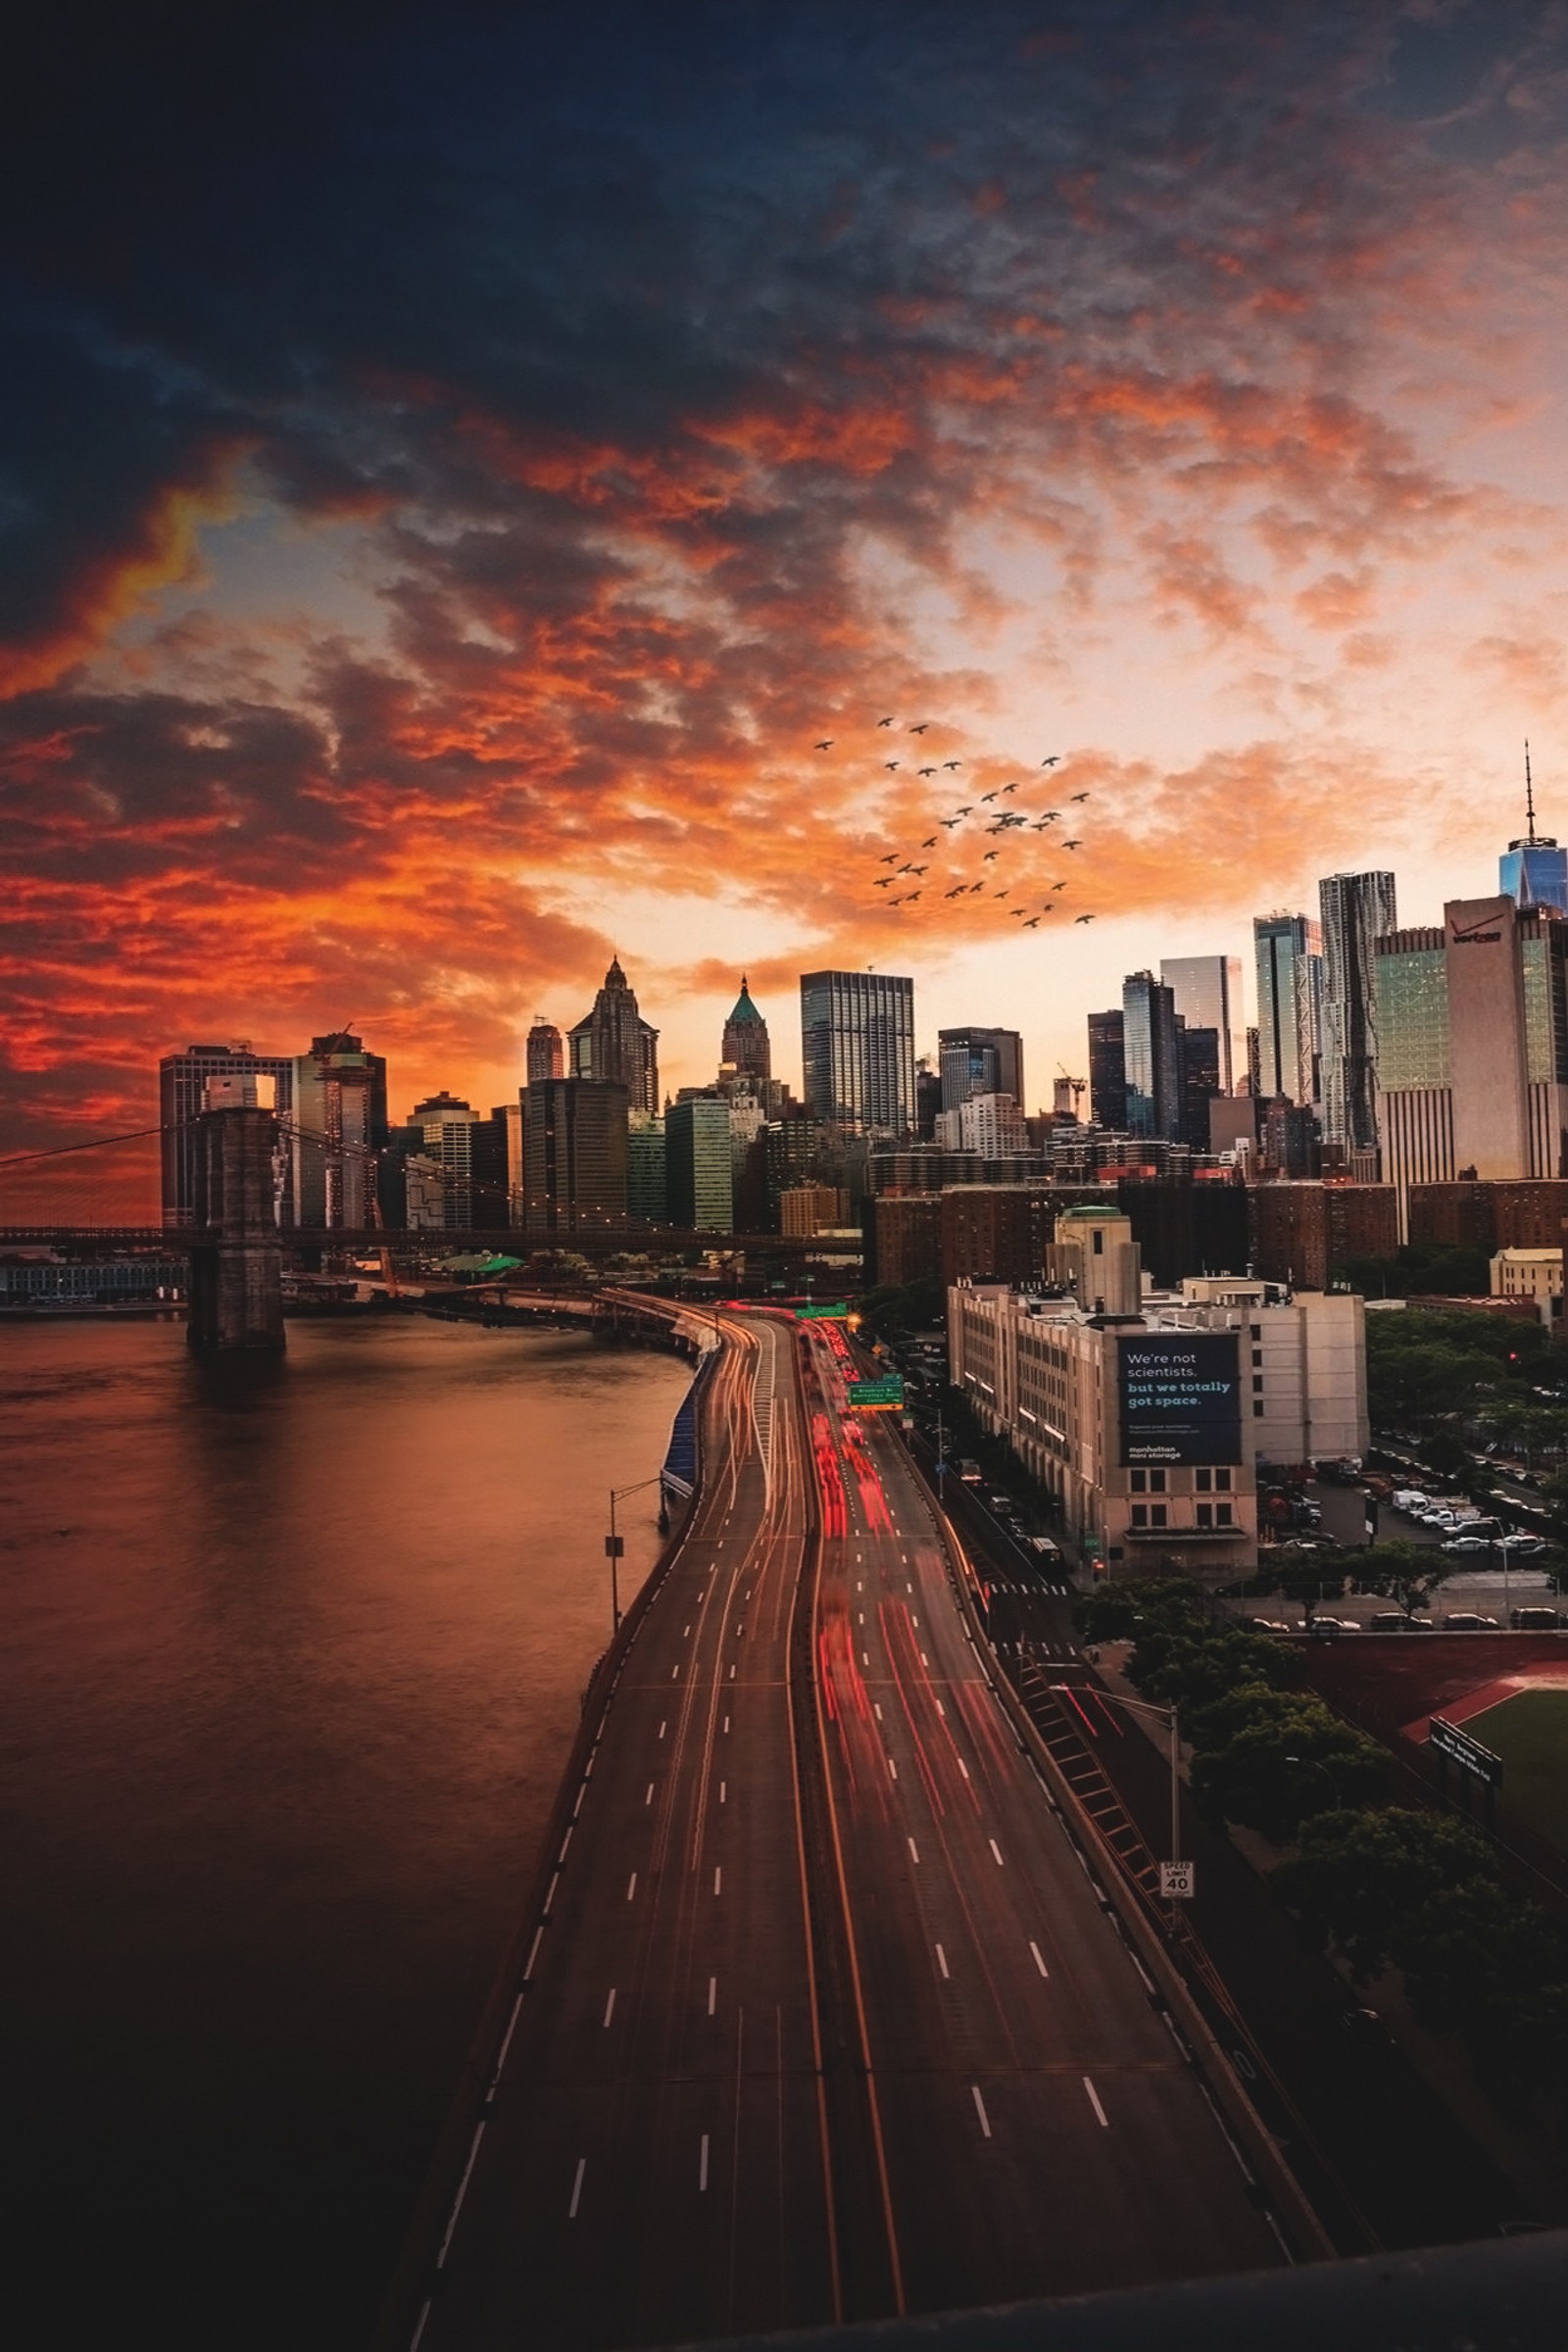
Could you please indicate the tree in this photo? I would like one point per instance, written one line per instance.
(1407, 1573)
(1187, 1667)
(1120, 1612)
(1362, 1876)
(1300, 1576)
(1291, 1761)
(1491, 1966)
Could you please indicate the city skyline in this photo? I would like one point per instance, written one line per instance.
(406, 651)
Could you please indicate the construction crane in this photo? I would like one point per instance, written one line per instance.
(1073, 1088)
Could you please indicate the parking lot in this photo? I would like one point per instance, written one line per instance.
(1481, 1584)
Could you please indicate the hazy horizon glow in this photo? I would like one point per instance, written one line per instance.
(459, 469)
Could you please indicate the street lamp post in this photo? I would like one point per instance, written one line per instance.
(1315, 1764)
(615, 1545)
(942, 1462)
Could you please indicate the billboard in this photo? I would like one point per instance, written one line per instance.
(1181, 1397)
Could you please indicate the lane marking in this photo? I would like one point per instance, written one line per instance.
(722, 1786)
(980, 2108)
(718, 1876)
(915, 1851)
(733, 1674)
(893, 1768)
(661, 1730)
(996, 1849)
(576, 2189)
(726, 1723)
(962, 1766)
(712, 1994)
(942, 1710)
(865, 1657)
(649, 1798)
(1039, 1963)
(549, 1894)
(924, 1661)
(673, 1672)
(684, 1631)
(533, 1953)
(942, 1961)
(631, 1886)
(877, 1704)
(702, 2168)
(1094, 2101)
(610, 2005)
(577, 1807)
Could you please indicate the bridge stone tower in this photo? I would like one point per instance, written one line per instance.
(236, 1259)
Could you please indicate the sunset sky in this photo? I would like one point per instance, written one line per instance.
(458, 461)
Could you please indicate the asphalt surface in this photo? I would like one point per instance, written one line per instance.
(824, 2018)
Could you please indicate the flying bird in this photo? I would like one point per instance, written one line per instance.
(1072, 845)
(1084, 918)
(1060, 885)
(1017, 913)
(889, 765)
(884, 881)
(974, 886)
(990, 854)
(906, 869)
(953, 763)
(956, 893)
(925, 771)
(884, 723)
(1009, 788)
(892, 858)
(1054, 762)
(826, 743)
(929, 845)
(1033, 924)
(999, 894)
(965, 810)
(915, 894)
(918, 870)
(921, 728)
(987, 796)
(1080, 796)
(947, 823)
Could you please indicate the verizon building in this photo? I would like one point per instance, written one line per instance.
(1473, 1047)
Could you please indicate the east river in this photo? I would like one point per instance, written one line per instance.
(290, 1665)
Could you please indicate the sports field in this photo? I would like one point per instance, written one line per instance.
(1529, 1733)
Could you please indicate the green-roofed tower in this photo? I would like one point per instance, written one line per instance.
(746, 1047)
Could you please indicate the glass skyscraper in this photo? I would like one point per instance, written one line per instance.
(1290, 1005)
(1152, 1058)
(1532, 871)
(1356, 909)
(979, 1061)
(1208, 996)
(1108, 1070)
(858, 1050)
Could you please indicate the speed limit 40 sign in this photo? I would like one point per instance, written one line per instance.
(1177, 1882)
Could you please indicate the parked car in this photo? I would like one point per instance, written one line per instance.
(1269, 1625)
(1335, 1625)
(1469, 1543)
(1468, 1621)
(1534, 1620)
(1385, 1621)
(1521, 1546)
(1043, 1545)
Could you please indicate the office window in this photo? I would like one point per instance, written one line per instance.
(1255, 1331)
(1222, 1515)
(1257, 1355)
(1257, 1384)
(1157, 1481)
(1157, 1514)
(1222, 1482)
(1206, 1515)
(1139, 1515)
(1140, 1482)
(1257, 1409)
(1204, 1481)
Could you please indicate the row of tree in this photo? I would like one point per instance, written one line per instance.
(1383, 1883)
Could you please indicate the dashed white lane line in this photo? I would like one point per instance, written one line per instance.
(980, 2108)
(649, 1798)
(865, 1657)
(664, 1727)
(893, 1768)
(718, 1876)
(862, 1616)
(914, 1621)
(733, 1674)
(1039, 1963)
(684, 1631)
(924, 1661)
(942, 1710)
(610, 2005)
(877, 1704)
(549, 1894)
(726, 1723)
(673, 1672)
(915, 1851)
(533, 1953)
(962, 1766)
(577, 1807)
(576, 2189)
(631, 1886)
(712, 1994)
(722, 1786)
(702, 2167)
(995, 1851)
(1094, 2101)
(942, 1961)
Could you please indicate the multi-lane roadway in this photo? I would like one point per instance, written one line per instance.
(821, 2016)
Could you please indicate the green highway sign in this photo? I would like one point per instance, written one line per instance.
(822, 1314)
(874, 1396)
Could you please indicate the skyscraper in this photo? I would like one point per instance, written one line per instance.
(1357, 910)
(1207, 990)
(339, 1127)
(1151, 1057)
(1197, 1060)
(1534, 870)
(1108, 1070)
(1290, 1005)
(181, 1098)
(546, 1058)
(444, 1126)
(700, 1164)
(614, 1043)
(746, 1048)
(574, 1154)
(858, 1050)
(979, 1061)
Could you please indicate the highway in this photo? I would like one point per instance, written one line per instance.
(821, 2017)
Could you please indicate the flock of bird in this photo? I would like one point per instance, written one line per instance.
(994, 822)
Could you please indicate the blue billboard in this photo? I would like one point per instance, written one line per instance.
(1181, 1398)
